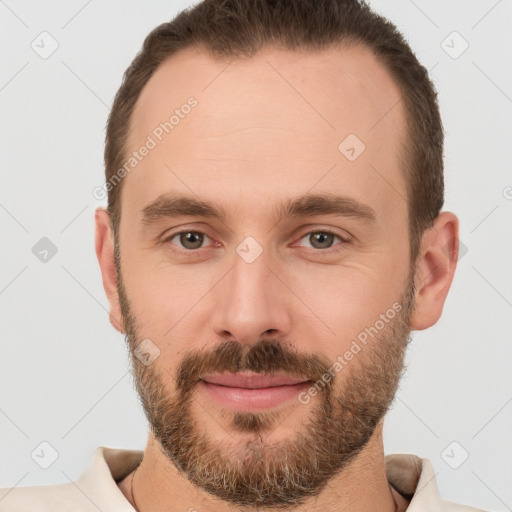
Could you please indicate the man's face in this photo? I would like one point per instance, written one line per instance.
(256, 292)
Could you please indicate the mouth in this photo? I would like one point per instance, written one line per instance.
(250, 391)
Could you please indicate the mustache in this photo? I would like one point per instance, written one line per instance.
(266, 356)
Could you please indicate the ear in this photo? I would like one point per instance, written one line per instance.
(105, 254)
(435, 269)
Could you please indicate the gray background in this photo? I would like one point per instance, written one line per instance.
(63, 368)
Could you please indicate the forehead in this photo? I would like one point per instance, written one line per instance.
(280, 118)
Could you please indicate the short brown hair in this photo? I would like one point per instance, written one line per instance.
(233, 28)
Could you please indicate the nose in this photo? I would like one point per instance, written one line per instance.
(251, 303)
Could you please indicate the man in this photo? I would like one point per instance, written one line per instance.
(273, 234)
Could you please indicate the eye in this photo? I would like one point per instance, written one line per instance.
(321, 239)
(189, 240)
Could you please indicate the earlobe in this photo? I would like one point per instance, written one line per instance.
(435, 270)
(105, 254)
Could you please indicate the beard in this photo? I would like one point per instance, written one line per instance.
(248, 471)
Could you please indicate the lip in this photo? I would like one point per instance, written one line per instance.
(251, 391)
(251, 380)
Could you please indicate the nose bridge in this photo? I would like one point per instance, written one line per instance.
(250, 281)
(250, 301)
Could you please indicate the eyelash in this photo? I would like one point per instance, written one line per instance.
(333, 249)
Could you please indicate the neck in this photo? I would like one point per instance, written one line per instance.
(360, 487)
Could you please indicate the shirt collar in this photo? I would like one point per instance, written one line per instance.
(414, 479)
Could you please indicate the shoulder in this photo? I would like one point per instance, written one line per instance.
(448, 506)
(95, 489)
(42, 498)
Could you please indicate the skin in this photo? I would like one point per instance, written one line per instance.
(267, 129)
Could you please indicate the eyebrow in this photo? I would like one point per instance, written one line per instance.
(174, 205)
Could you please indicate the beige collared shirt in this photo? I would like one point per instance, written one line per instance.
(97, 489)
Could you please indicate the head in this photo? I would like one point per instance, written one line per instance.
(275, 182)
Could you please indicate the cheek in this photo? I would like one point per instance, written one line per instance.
(342, 301)
(172, 303)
